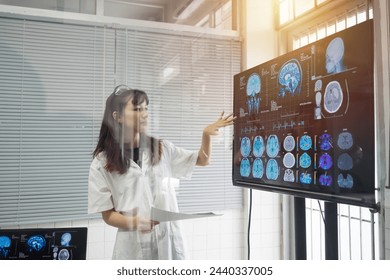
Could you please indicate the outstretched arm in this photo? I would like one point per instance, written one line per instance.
(209, 131)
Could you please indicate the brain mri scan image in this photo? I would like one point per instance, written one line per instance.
(345, 162)
(5, 244)
(305, 143)
(258, 168)
(289, 143)
(325, 161)
(345, 181)
(333, 98)
(289, 160)
(325, 141)
(272, 146)
(245, 146)
(245, 167)
(36, 243)
(345, 140)
(272, 170)
(305, 178)
(290, 78)
(258, 146)
(305, 160)
(253, 85)
(325, 180)
(289, 176)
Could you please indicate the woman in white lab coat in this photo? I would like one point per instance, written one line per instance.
(131, 172)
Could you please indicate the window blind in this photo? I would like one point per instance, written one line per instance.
(54, 80)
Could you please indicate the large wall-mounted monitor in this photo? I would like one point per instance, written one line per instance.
(305, 121)
(43, 244)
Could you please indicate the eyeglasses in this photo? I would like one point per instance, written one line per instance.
(120, 89)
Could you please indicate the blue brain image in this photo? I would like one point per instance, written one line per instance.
(65, 239)
(326, 180)
(326, 161)
(345, 181)
(36, 243)
(258, 146)
(5, 244)
(273, 146)
(245, 167)
(290, 78)
(305, 178)
(305, 142)
(254, 85)
(258, 168)
(305, 160)
(272, 170)
(326, 142)
(245, 146)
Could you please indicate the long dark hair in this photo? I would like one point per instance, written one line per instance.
(117, 153)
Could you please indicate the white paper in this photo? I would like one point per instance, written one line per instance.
(167, 216)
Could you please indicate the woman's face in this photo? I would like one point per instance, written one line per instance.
(135, 117)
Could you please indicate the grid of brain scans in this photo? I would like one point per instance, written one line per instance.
(305, 121)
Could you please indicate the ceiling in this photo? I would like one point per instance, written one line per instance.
(174, 11)
(188, 12)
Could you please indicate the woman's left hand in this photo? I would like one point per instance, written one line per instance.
(223, 121)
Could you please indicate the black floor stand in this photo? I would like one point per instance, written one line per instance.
(331, 231)
(300, 228)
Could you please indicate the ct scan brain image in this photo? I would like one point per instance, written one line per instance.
(333, 98)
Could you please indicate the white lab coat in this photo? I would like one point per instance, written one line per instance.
(134, 192)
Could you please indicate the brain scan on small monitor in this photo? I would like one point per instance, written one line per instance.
(36, 243)
(5, 244)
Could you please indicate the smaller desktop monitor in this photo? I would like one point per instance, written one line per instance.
(43, 244)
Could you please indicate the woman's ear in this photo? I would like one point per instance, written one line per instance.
(116, 116)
